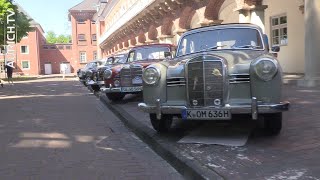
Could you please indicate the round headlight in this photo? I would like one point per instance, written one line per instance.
(151, 75)
(107, 74)
(116, 83)
(266, 69)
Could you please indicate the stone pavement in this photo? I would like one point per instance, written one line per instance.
(54, 129)
(294, 154)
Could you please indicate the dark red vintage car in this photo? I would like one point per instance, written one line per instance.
(126, 78)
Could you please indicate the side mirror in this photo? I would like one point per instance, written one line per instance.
(275, 48)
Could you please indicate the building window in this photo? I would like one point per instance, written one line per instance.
(24, 50)
(25, 64)
(94, 37)
(68, 47)
(83, 57)
(53, 47)
(279, 30)
(95, 55)
(45, 47)
(60, 47)
(81, 37)
(80, 21)
(93, 22)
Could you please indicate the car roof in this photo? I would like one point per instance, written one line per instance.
(222, 26)
(150, 45)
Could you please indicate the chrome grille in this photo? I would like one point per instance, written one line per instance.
(127, 75)
(239, 78)
(205, 82)
(176, 81)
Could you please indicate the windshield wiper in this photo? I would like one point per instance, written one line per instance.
(247, 46)
(213, 47)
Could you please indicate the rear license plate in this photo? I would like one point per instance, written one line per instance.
(206, 114)
(131, 89)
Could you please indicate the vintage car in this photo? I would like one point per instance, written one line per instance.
(96, 77)
(127, 78)
(83, 72)
(218, 72)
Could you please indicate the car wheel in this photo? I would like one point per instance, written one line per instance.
(115, 96)
(272, 123)
(161, 125)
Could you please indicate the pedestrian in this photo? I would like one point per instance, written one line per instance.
(9, 70)
(1, 82)
(64, 68)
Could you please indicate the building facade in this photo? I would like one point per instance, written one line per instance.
(290, 24)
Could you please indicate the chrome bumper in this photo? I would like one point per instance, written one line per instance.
(254, 108)
(100, 83)
(122, 89)
(110, 90)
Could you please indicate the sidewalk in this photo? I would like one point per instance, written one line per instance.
(294, 154)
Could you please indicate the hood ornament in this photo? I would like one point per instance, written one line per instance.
(216, 72)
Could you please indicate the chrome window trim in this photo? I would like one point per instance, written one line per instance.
(220, 28)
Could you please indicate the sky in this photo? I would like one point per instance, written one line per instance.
(52, 15)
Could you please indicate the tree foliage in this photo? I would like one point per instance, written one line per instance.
(53, 38)
(22, 22)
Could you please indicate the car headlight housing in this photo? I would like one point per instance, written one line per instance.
(266, 69)
(151, 75)
(107, 73)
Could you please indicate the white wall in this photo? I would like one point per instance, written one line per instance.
(227, 13)
(291, 56)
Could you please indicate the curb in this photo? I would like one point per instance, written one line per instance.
(189, 169)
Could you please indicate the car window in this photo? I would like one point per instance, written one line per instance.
(151, 52)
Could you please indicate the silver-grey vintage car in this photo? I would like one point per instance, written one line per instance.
(218, 72)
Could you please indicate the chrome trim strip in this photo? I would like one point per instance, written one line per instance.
(173, 85)
(254, 108)
(240, 82)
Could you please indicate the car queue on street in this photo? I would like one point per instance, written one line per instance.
(214, 73)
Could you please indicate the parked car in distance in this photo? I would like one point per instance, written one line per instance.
(84, 72)
(96, 79)
(127, 78)
(218, 72)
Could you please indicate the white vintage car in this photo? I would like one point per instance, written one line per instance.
(219, 71)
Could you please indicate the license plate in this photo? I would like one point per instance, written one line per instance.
(131, 89)
(137, 80)
(206, 114)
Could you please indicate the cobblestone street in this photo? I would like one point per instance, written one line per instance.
(54, 129)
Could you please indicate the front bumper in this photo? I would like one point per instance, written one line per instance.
(91, 83)
(254, 108)
(134, 89)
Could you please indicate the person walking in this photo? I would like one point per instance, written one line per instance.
(9, 70)
(64, 70)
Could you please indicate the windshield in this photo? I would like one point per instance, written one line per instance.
(232, 38)
(148, 53)
(116, 59)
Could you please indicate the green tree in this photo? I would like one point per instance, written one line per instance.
(53, 38)
(22, 22)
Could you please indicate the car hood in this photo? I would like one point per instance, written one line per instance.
(145, 63)
(238, 61)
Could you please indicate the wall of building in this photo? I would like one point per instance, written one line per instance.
(291, 56)
(88, 28)
(55, 54)
(32, 41)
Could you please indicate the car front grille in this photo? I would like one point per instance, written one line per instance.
(205, 82)
(127, 75)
